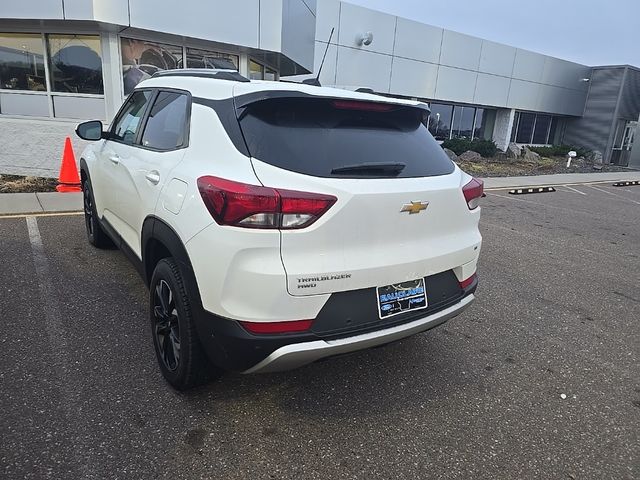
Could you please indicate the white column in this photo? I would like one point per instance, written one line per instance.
(503, 127)
(243, 68)
(112, 74)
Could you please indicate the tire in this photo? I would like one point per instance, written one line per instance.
(95, 234)
(180, 355)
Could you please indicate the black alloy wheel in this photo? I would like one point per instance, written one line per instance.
(167, 327)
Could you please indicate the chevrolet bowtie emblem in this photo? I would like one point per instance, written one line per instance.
(414, 207)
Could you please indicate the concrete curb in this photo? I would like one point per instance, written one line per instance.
(38, 203)
(558, 179)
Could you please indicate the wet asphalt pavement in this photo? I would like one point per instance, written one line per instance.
(540, 378)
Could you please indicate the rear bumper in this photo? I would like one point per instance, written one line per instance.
(296, 355)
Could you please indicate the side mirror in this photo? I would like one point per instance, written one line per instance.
(91, 131)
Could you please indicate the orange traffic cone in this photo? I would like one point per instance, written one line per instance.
(68, 181)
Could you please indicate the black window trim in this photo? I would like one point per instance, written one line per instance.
(112, 135)
(186, 126)
(137, 142)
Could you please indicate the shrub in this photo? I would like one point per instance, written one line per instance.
(559, 150)
(458, 145)
(486, 148)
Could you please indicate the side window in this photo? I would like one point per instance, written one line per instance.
(166, 127)
(126, 125)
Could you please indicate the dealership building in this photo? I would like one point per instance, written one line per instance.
(77, 59)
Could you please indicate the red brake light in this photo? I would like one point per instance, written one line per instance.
(266, 328)
(467, 283)
(473, 192)
(358, 105)
(253, 206)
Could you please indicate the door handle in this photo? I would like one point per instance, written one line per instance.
(115, 158)
(153, 176)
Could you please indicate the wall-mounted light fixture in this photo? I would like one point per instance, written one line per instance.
(585, 80)
(364, 39)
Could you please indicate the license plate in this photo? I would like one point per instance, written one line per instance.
(401, 297)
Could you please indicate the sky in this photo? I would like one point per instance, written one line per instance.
(592, 32)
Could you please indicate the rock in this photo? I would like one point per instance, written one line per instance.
(530, 156)
(451, 154)
(470, 156)
(501, 157)
(597, 166)
(579, 162)
(513, 150)
(596, 157)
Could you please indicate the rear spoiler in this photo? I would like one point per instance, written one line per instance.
(243, 101)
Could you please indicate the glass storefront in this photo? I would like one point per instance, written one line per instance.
(22, 62)
(270, 74)
(485, 121)
(256, 70)
(536, 129)
(455, 121)
(141, 59)
(440, 121)
(75, 63)
(197, 58)
(462, 126)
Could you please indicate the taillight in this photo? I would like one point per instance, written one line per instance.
(274, 328)
(468, 282)
(252, 206)
(473, 192)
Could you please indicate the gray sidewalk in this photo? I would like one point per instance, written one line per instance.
(34, 147)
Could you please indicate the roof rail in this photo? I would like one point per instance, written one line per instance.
(217, 73)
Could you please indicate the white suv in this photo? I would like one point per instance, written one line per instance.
(276, 223)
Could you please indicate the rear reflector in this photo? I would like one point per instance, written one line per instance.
(365, 106)
(467, 283)
(473, 192)
(273, 328)
(252, 206)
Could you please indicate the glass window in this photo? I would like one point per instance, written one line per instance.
(315, 137)
(554, 131)
(205, 59)
(22, 62)
(440, 121)
(525, 127)
(166, 126)
(462, 122)
(256, 71)
(141, 59)
(270, 74)
(485, 121)
(75, 64)
(514, 129)
(125, 126)
(541, 132)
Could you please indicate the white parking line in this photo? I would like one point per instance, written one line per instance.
(57, 341)
(620, 189)
(613, 194)
(573, 189)
(513, 198)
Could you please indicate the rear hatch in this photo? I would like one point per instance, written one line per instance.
(400, 213)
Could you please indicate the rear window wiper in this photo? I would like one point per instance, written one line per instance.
(369, 168)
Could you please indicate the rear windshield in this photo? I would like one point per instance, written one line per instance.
(342, 138)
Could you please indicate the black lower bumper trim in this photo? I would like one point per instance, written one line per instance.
(231, 347)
